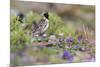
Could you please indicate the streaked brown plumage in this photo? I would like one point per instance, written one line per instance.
(42, 26)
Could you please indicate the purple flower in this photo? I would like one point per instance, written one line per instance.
(76, 47)
(79, 38)
(92, 59)
(61, 39)
(69, 39)
(67, 55)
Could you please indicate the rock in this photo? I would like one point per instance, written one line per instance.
(53, 40)
(52, 37)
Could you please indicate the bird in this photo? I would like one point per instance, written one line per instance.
(20, 17)
(41, 27)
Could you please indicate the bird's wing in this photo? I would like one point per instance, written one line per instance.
(41, 22)
(34, 27)
(40, 26)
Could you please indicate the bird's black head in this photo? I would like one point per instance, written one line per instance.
(46, 15)
(20, 15)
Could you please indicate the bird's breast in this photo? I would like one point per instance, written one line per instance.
(45, 26)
